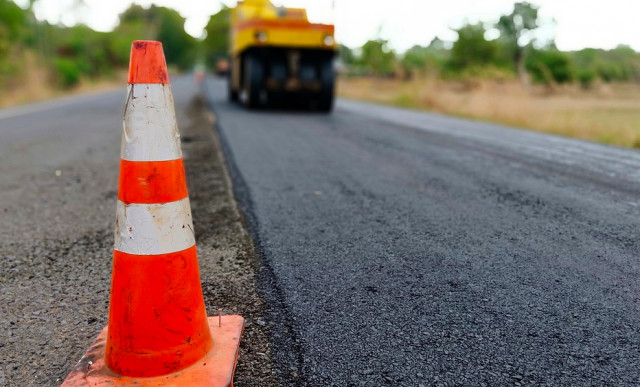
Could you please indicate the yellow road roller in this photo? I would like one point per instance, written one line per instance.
(279, 58)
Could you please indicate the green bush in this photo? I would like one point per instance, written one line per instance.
(67, 72)
(550, 66)
(586, 78)
(622, 64)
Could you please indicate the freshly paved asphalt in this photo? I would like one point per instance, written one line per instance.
(407, 248)
(398, 248)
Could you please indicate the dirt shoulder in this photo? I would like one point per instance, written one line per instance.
(228, 262)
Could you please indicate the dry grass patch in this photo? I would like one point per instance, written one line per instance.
(608, 114)
(33, 84)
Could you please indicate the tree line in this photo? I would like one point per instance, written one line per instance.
(70, 54)
(514, 53)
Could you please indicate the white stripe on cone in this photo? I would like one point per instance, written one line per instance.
(150, 128)
(152, 229)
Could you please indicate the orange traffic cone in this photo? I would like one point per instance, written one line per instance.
(158, 332)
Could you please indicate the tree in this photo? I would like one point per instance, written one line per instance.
(179, 46)
(12, 22)
(414, 60)
(472, 49)
(216, 44)
(515, 30)
(421, 60)
(346, 55)
(377, 58)
(14, 29)
(437, 45)
(158, 23)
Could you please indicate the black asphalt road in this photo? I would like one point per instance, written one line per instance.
(407, 249)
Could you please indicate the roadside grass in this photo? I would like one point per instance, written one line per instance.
(608, 114)
(43, 92)
(33, 84)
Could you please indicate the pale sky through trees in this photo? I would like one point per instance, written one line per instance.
(579, 23)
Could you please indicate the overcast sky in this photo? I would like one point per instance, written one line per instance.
(578, 23)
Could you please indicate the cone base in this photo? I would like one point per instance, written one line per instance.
(215, 369)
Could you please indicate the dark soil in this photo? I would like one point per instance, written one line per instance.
(227, 259)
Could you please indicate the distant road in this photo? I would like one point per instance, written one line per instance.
(408, 249)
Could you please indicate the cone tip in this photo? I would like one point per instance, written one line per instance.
(147, 63)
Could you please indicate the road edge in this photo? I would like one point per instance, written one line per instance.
(289, 363)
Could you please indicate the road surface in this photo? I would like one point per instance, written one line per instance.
(395, 247)
(407, 248)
